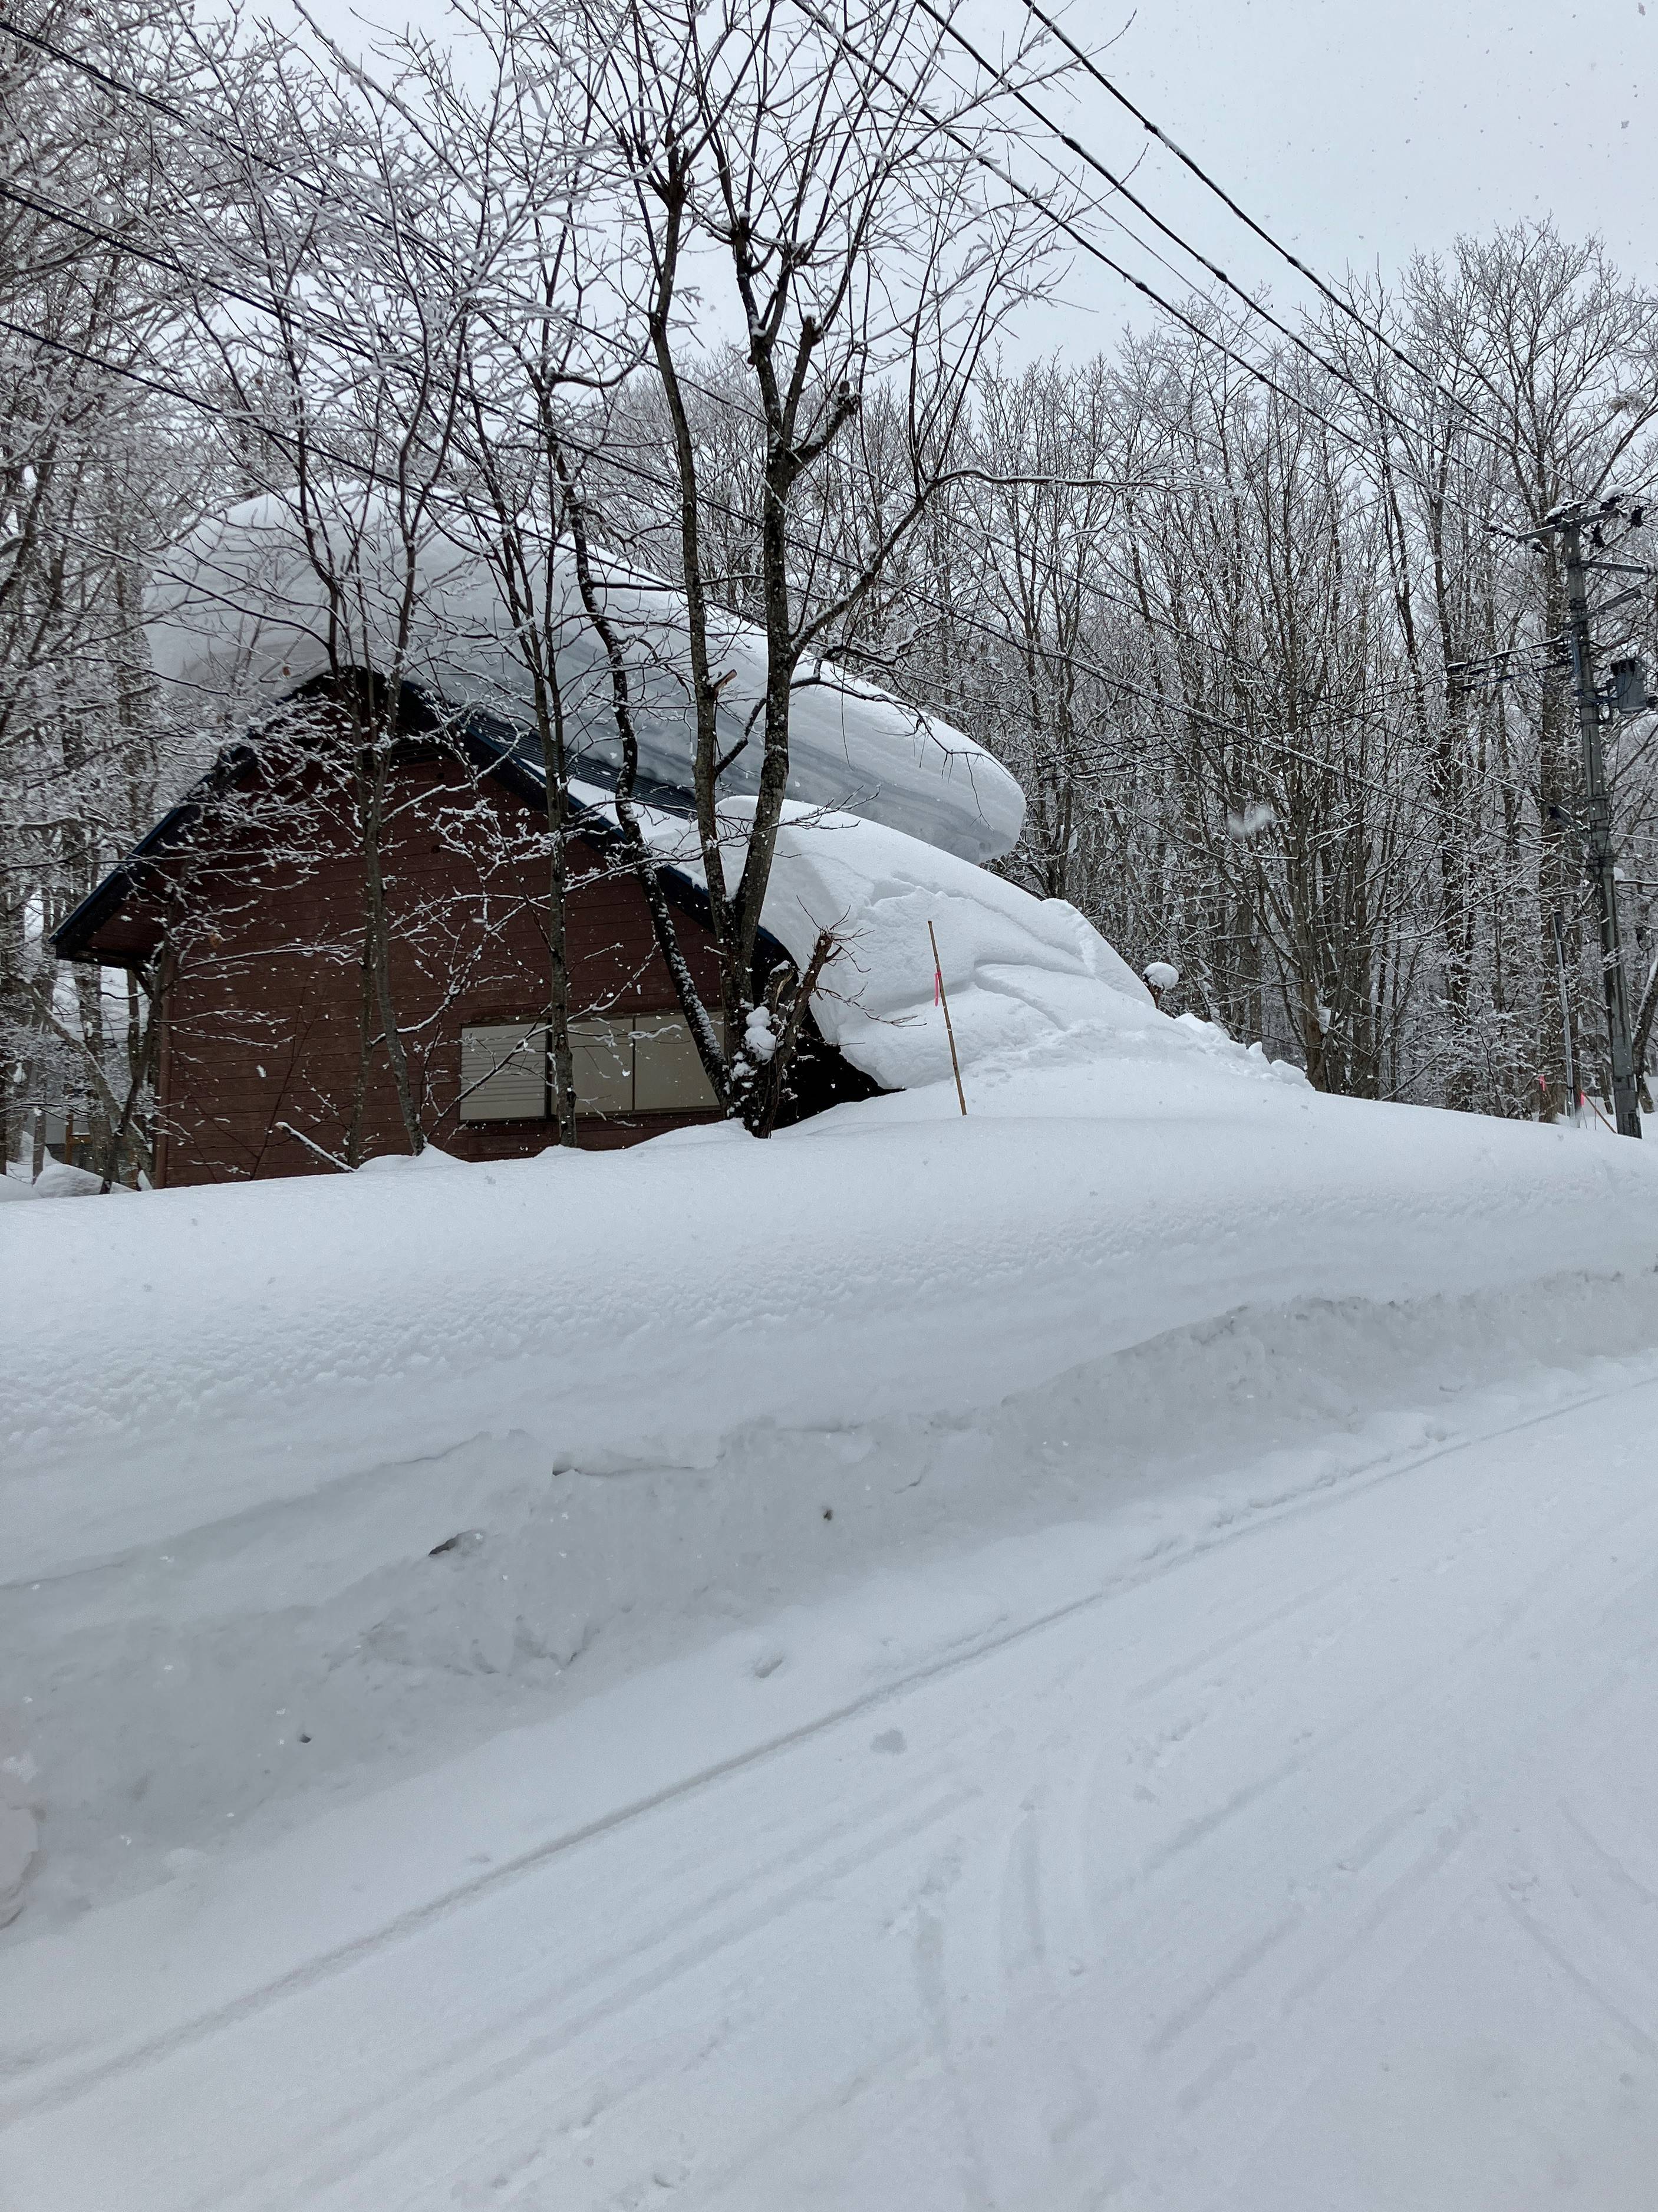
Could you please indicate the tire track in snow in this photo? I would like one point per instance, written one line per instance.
(1558, 1717)
(616, 1998)
(1327, 1492)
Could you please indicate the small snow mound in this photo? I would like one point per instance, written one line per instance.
(430, 1157)
(58, 1180)
(1162, 976)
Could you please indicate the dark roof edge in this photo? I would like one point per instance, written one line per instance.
(495, 757)
(69, 939)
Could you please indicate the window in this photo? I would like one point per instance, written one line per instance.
(503, 1072)
(639, 1064)
(604, 1067)
(669, 1076)
(626, 1064)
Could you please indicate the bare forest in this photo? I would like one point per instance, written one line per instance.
(743, 297)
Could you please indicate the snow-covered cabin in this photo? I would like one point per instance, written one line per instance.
(261, 1069)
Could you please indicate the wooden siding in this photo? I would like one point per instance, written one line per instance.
(262, 1026)
(260, 1046)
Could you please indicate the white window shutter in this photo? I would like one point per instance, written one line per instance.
(503, 1072)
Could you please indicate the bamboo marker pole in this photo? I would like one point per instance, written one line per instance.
(950, 1029)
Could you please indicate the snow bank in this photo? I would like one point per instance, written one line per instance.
(1019, 973)
(314, 1646)
(189, 1355)
(238, 611)
(429, 1448)
(1015, 969)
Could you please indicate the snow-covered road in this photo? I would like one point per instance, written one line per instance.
(1313, 1867)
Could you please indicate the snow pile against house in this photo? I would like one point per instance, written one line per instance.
(240, 608)
(1017, 972)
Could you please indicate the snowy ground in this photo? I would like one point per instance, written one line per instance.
(1100, 1653)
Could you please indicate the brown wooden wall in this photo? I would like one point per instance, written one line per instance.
(263, 1024)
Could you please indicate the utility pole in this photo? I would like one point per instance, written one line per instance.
(1598, 806)
(1565, 1009)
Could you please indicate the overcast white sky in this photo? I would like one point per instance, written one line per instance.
(1356, 132)
(1359, 132)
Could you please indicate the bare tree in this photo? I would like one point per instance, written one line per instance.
(96, 470)
(339, 339)
(790, 166)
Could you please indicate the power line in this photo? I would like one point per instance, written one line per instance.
(1345, 306)
(244, 152)
(242, 416)
(1074, 145)
(172, 264)
(111, 84)
(1063, 224)
(1254, 669)
(124, 88)
(238, 147)
(1368, 400)
(107, 79)
(437, 500)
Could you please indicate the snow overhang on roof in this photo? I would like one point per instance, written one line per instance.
(1019, 971)
(238, 611)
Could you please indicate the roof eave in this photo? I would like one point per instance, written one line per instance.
(70, 940)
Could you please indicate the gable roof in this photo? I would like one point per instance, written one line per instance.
(509, 755)
(1024, 974)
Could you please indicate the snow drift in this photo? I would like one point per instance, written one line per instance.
(1017, 971)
